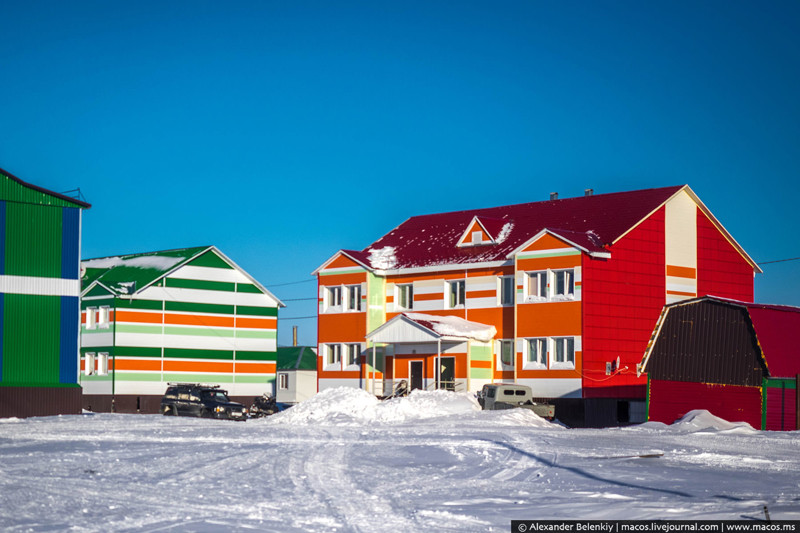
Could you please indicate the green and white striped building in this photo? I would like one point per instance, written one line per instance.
(186, 315)
(40, 233)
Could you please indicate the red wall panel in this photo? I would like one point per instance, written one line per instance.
(670, 400)
(721, 269)
(622, 300)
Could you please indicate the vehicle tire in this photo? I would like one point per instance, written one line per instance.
(169, 411)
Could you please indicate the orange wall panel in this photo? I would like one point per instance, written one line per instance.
(342, 327)
(549, 319)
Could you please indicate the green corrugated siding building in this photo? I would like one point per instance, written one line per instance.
(39, 300)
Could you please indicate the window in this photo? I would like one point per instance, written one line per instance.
(458, 292)
(103, 317)
(91, 315)
(353, 351)
(334, 296)
(354, 297)
(537, 285)
(405, 296)
(334, 354)
(477, 237)
(88, 363)
(102, 363)
(564, 283)
(537, 353)
(507, 290)
(283, 381)
(507, 352)
(564, 352)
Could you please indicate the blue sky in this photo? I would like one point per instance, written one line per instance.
(283, 131)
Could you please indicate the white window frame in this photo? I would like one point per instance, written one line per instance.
(103, 317)
(512, 346)
(569, 358)
(352, 298)
(540, 362)
(504, 290)
(283, 381)
(534, 280)
(333, 356)
(91, 318)
(88, 363)
(352, 359)
(333, 293)
(456, 299)
(477, 237)
(569, 275)
(102, 364)
(407, 290)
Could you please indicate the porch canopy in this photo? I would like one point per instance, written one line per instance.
(421, 328)
(418, 328)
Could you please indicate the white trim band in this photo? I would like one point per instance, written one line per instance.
(36, 286)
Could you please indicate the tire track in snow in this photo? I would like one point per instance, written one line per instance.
(329, 477)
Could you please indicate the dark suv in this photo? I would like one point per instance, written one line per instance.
(199, 399)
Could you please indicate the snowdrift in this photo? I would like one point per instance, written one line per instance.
(349, 406)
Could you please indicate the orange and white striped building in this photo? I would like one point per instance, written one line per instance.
(571, 289)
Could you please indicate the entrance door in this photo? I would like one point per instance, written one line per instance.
(415, 369)
(447, 373)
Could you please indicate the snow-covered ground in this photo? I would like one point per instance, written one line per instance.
(343, 461)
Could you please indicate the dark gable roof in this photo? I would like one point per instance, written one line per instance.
(76, 202)
(590, 221)
(774, 325)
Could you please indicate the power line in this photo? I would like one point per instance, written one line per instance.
(779, 260)
(292, 283)
(297, 299)
(296, 317)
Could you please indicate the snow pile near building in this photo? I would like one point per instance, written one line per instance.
(453, 326)
(702, 420)
(346, 406)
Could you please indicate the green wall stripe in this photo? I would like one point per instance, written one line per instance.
(210, 260)
(135, 351)
(200, 378)
(97, 290)
(480, 373)
(137, 328)
(13, 191)
(256, 311)
(534, 255)
(123, 303)
(190, 307)
(140, 376)
(182, 283)
(33, 246)
(97, 303)
(31, 342)
(255, 356)
(266, 380)
(256, 334)
(187, 353)
(247, 287)
(340, 272)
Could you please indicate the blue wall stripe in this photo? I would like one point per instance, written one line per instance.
(2, 327)
(68, 353)
(2, 237)
(70, 242)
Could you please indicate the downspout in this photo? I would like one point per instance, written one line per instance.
(114, 360)
(438, 371)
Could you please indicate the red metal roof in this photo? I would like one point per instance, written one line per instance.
(590, 221)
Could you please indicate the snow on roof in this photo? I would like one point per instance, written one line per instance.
(590, 221)
(142, 261)
(453, 326)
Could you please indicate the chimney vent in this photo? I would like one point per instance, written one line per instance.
(588, 192)
(554, 196)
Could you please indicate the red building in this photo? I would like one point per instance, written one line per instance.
(572, 288)
(735, 359)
